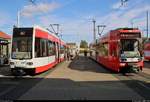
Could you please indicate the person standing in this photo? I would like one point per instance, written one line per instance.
(68, 55)
(77, 54)
(85, 53)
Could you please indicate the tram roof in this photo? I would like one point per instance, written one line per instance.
(127, 30)
(4, 35)
(44, 29)
(120, 30)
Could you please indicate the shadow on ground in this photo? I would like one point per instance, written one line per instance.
(65, 89)
(27, 88)
(83, 63)
(5, 70)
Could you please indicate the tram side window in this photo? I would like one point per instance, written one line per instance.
(44, 48)
(113, 51)
(38, 48)
(51, 48)
(103, 49)
(41, 48)
(62, 49)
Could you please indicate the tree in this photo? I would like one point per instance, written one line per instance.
(83, 44)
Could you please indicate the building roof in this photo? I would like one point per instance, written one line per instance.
(4, 35)
(71, 44)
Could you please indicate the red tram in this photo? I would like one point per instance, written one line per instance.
(35, 50)
(147, 51)
(120, 50)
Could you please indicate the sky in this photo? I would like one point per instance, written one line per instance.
(74, 16)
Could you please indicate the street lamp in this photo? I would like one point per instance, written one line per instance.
(19, 13)
(18, 18)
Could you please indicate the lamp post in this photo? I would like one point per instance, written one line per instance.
(147, 21)
(94, 30)
(18, 18)
(19, 13)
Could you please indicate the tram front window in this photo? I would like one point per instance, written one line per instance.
(21, 48)
(130, 48)
(22, 44)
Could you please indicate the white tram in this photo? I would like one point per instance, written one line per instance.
(35, 50)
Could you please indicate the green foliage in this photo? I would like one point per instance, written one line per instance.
(83, 44)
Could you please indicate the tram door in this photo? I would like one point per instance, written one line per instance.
(57, 52)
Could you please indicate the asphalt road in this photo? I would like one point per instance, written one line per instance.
(80, 79)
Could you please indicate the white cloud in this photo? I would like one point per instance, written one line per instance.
(84, 28)
(31, 10)
(116, 5)
(71, 27)
(124, 18)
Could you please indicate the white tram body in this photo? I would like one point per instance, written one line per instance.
(35, 50)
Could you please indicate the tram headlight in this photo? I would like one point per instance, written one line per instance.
(29, 63)
(12, 63)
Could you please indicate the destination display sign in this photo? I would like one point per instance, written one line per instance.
(130, 35)
(22, 32)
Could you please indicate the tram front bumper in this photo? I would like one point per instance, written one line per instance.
(131, 67)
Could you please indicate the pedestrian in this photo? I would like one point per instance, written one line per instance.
(65, 55)
(77, 54)
(85, 53)
(68, 55)
(90, 53)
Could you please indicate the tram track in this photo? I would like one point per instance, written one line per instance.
(138, 82)
(145, 75)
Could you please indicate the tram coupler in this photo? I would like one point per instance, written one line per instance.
(130, 69)
(134, 69)
(18, 72)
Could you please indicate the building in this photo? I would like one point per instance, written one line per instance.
(4, 47)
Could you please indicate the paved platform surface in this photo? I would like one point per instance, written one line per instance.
(81, 79)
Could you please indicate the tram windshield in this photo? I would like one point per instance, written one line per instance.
(22, 44)
(130, 48)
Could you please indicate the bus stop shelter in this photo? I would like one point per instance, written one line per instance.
(4, 47)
